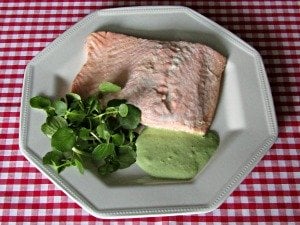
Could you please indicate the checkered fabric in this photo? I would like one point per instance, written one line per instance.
(269, 195)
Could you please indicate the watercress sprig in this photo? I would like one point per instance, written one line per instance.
(83, 131)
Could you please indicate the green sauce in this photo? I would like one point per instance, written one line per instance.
(172, 154)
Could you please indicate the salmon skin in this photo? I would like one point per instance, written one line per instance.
(174, 83)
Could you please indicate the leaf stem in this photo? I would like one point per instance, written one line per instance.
(106, 113)
(76, 150)
(67, 163)
(95, 136)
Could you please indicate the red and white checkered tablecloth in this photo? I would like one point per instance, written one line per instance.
(269, 195)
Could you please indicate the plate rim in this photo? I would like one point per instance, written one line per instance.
(143, 212)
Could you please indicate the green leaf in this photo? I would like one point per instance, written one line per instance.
(79, 165)
(60, 107)
(74, 102)
(76, 116)
(111, 110)
(48, 130)
(56, 121)
(52, 124)
(123, 110)
(84, 134)
(108, 168)
(118, 139)
(132, 119)
(68, 154)
(103, 150)
(63, 139)
(126, 157)
(72, 97)
(40, 102)
(92, 104)
(50, 111)
(82, 127)
(102, 131)
(55, 160)
(76, 106)
(84, 145)
(53, 156)
(107, 87)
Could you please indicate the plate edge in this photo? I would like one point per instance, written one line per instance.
(163, 211)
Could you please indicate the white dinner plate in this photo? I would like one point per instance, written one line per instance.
(245, 118)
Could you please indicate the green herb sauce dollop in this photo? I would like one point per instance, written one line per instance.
(172, 154)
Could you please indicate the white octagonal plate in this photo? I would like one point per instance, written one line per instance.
(245, 118)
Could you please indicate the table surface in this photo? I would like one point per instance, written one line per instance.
(269, 194)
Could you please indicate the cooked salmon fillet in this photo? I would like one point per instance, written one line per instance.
(175, 84)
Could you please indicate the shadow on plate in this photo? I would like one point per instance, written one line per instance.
(132, 176)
